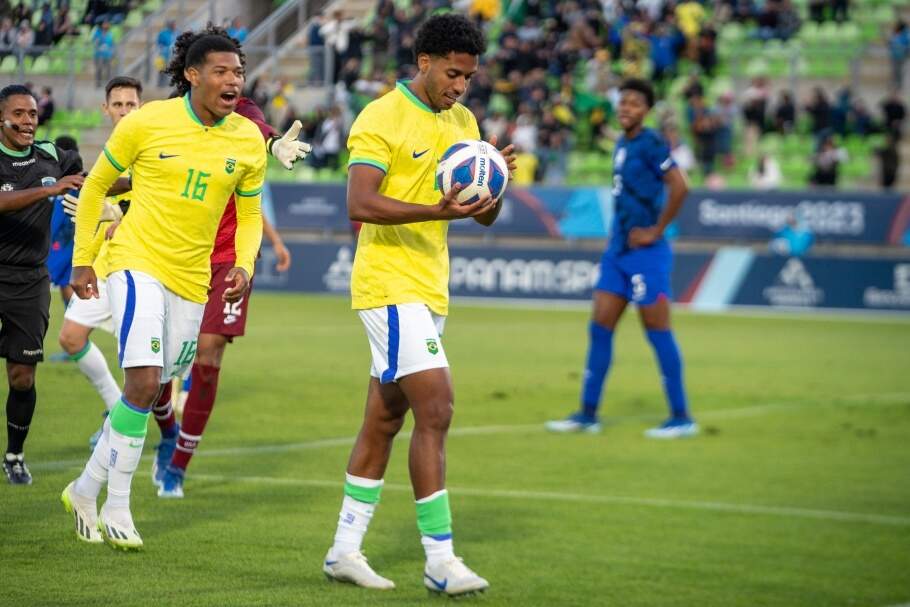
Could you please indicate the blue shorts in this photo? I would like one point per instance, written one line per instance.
(60, 264)
(641, 276)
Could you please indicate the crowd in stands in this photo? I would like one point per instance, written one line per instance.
(549, 84)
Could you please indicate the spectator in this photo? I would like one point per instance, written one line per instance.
(785, 113)
(45, 106)
(819, 110)
(7, 38)
(63, 24)
(328, 146)
(755, 107)
(707, 50)
(690, 16)
(679, 150)
(316, 51)
(25, 39)
(703, 122)
(794, 239)
(840, 113)
(765, 175)
(726, 118)
(44, 37)
(236, 30)
(899, 50)
(21, 13)
(526, 167)
(889, 161)
(96, 12)
(840, 10)
(337, 35)
(817, 10)
(861, 122)
(103, 41)
(894, 112)
(165, 46)
(826, 161)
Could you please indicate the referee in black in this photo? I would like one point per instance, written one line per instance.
(31, 175)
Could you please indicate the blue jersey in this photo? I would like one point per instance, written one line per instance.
(60, 256)
(639, 166)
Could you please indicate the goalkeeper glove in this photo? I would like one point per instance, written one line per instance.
(287, 149)
(110, 212)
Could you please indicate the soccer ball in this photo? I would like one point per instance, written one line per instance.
(477, 166)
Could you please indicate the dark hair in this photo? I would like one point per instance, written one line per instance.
(447, 33)
(124, 82)
(639, 86)
(191, 49)
(65, 142)
(13, 90)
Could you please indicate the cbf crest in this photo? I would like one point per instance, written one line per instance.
(229, 165)
(432, 346)
(156, 345)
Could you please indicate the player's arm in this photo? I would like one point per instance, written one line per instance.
(367, 205)
(248, 237)
(121, 186)
(14, 201)
(677, 190)
(281, 252)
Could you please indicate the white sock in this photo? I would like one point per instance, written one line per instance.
(95, 474)
(94, 366)
(354, 518)
(124, 459)
(437, 550)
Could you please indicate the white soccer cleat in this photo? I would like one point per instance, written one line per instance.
(119, 533)
(673, 429)
(574, 423)
(453, 577)
(354, 569)
(85, 514)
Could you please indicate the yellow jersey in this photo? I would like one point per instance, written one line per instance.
(401, 136)
(183, 173)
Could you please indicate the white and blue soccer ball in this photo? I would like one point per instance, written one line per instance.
(477, 166)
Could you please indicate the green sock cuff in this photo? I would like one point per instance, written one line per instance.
(128, 421)
(433, 515)
(78, 355)
(361, 493)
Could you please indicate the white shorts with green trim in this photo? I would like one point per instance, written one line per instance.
(155, 326)
(404, 339)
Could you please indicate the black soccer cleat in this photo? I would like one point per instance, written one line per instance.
(16, 471)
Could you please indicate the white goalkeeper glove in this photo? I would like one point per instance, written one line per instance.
(287, 149)
(110, 212)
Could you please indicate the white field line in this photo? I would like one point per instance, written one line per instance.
(779, 511)
(327, 443)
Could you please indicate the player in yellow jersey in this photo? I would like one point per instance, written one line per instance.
(122, 95)
(399, 286)
(187, 155)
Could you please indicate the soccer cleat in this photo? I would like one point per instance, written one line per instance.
(119, 534)
(94, 438)
(171, 484)
(354, 569)
(16, 471)
(163, 453)
(85, 514)
(577, 422)
(453, 577)
(674, 428)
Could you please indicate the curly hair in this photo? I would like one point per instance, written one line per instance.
(639, 86)
(191, 49)
(445, 33)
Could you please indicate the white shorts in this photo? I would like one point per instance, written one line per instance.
(93, 313)
(404, 339)
(155, 326)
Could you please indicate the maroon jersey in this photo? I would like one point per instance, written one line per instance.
(224, 241)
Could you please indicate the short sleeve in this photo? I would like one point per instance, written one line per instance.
(660, 160)
(122, 148)
(253, 179)
(369, 143)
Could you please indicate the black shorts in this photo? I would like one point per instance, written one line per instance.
(24, 316)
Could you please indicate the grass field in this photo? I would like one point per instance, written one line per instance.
(797, 493)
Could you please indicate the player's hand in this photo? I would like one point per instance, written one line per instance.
(64, 184)
(448, 206)
(109, 233)
(508, 153)
(84, 282)
(643, 237)
(288, 149)
(283, 257)
(240, 282)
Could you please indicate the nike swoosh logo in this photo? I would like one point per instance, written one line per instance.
(441, 585)
(163, 156)
(418, 155)
(330, 563)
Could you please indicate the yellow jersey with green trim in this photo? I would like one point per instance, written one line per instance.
(183, 174)
(401, 136)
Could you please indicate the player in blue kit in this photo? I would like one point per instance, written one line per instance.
(648, 189)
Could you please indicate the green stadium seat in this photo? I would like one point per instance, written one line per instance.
(8, 65)
(41, 65)
(133, 19)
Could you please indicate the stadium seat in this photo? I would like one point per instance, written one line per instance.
(41, 65)
(8, 66)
